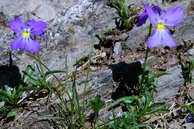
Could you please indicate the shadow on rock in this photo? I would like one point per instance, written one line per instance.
(127, 77)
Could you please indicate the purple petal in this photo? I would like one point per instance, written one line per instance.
(37, 27)
(17, 44)
(173, 16)
(161, 38)
(33, 45)
(17, 25)
(167, 39)
(157, 9)
(27, 44)
(154, 40)
(142, 18)
(152, 15)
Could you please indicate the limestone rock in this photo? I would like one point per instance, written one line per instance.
(46, 12)
(168, 85)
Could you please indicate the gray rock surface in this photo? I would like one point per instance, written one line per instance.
(168, 85)
(46, 12)
(188, 125)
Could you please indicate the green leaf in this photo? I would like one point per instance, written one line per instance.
(124, 12)
(140, 125)
(189, 107)
(128, 99)
(28, 73)
(53, 72)
(96, 103)
(5, 93)
(154, 105)
(157, 75)
(4, 109)
(47, 117)
(12, 113)
(192, 64)
(147, 68)
(28, 76)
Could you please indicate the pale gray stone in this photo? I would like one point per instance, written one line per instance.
(46, 12)
(168, 85)
(117, 49)
(189, 125)
(18, 7)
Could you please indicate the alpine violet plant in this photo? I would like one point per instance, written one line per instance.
(25, 31)
(162, 20)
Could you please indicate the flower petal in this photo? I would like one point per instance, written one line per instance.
(17, 44)
(32, 45)
(142, 18)
(173, 16)
(37, 27)
(17, 25)
(167, 39)
(152, 15)
(157, 9)
(27, 44)
(161, 38)
(154, 40)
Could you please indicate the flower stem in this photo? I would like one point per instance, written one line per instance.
(146, 56)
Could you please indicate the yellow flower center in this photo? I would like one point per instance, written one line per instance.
(25, 34)
(160, 26)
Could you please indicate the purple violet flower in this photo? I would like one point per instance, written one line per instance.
(161, 35)
(25, 31)
(190, 118)
(142, 18)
